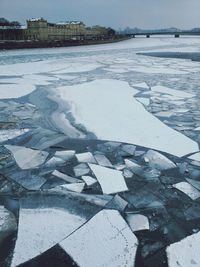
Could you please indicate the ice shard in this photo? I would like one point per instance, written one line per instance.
(111, 181)
(188, 189)
(158, 161)
(137, 222)
(27, 158)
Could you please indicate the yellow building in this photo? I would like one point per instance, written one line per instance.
(40, 29)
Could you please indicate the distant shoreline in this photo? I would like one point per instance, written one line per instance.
(10, 45)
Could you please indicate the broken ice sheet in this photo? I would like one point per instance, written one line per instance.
(194, 183)
(102, 160)
(65, 177)
(141, 85)
(106, 233)
(129, 149)
(184, 253)
(137, 222)
(117, 203)
(55, 161)
(65, 155)
(111, 181)
(81, 169)
(45, 220)
(27, 180)
(89, 180)
(86, 157)
(75, 187)
(158, 161)
(188, 189)
(8, 223)
(27, 158)
(195, 157)
(11, 133)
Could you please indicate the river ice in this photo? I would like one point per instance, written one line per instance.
(98, 142)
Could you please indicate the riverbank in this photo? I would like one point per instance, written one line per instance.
(24, 44)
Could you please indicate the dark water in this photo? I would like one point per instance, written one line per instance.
(194, 56)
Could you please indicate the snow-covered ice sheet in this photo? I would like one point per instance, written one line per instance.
(15, 90)
(40, 229)
(105, 240)
(92, 105)
(185, 253)
(111, 181)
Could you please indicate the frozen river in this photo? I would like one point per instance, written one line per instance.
(105, 139)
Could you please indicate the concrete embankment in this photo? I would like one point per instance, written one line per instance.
(20, 44)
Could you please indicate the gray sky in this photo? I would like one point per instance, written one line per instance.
(114, 13)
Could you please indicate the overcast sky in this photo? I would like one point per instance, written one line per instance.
(114, 13)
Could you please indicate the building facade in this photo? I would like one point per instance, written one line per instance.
(41, 30)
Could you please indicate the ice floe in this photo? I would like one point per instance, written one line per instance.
(15, 90)
(65, 155)
(137, 222)
(81, 169)
(184, 253)
(86, 157)
(12, 133)
(102, 160)
(111, 181)
(75, 187)
(195, 157)
(172, 92)
(43, 222)
(8, 223)
(65, 177)
(27, 158)
(106, 233)
(188, 189)
(158, 161)
(89, 180)
(86, 106)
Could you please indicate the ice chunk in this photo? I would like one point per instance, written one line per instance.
(195, 157)
(137, 222)
(55, 161)
(76, 187)
(129, 149)
(81, 169)
(184, 253)
(188, 189)
(117, 203)
(106, 240)
(172, 92)
(158, 161)
(27, 158)
(8, 223)
(45, 221)
(127, 173)
(143, 100)
(65, 155)
(194, 183)
(65, 177)
(102, 160)
(142, 85)
(197, 129)
(27, 179)
(111, 181)
(89, 180)
(10, 134)
(86, 157)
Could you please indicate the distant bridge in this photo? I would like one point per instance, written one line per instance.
(148, 34)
